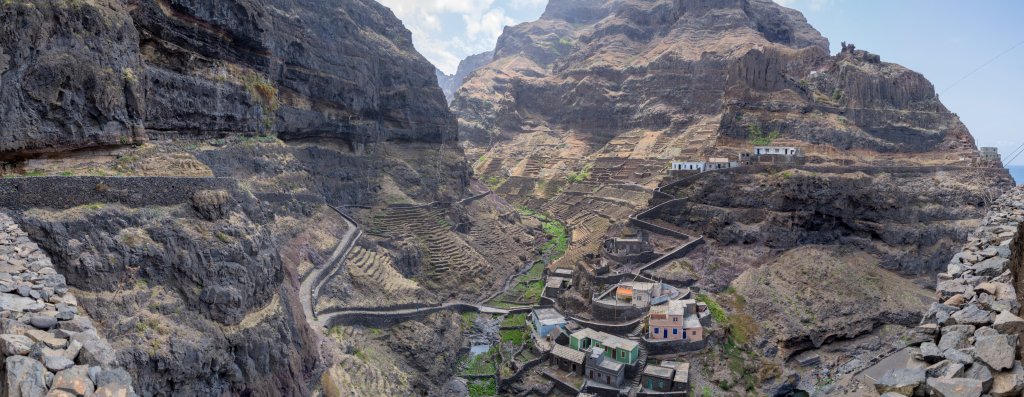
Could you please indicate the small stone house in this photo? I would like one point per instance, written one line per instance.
(676, 321)
(621, 350)
(546, 320)
(601, 369)
(718, 163)
(671, 378)
(640, 294)
(776, 150)
(567, 359)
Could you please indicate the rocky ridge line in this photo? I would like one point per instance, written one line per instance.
(49, 348)
(970, 341)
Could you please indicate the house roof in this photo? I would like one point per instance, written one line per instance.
(692, 321)
(673, 308)
(718, 160)
(602, 362)
(659, 371)
(619, 343)
(567, 353)
(563, 272)
(611, 341)
(682, 373)
(554, 282)
(549, 316)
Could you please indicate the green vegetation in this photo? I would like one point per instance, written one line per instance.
(514, 321)
(482, 364)
(468, 318)
(482, 388)
(565, 41)
(529, 286)
(757, 137)
(716, 310)
(263, 91)
(223, 237)
(837, 95)
(514, 336)
(129, 76)
(493, 182)
(580, 176)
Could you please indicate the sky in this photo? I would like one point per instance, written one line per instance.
(946, 40)
(448, 31)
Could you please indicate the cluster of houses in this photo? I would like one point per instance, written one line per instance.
(604, 361)
(759, 155)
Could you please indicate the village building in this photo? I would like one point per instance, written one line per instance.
(695, 166)
(602, 369)
(990, 154)
(679, 320)
(668, 379)
(619, 349)
(719, 163)
(644, 294)
(546, 320)
(776, 154)
(567, 359)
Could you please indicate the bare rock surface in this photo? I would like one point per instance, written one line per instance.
(35, 348)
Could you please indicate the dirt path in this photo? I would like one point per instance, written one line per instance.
(309, 290)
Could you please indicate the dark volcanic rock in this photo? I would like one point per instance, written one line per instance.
(69, 76)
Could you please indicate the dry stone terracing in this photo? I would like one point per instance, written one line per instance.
(970, 342)
(49, 347)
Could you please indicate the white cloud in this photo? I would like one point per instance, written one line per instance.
(804, 5)
(446, 31)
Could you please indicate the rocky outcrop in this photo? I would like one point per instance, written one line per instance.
(910, 218)
(451, 82)
(975, 326)
(47, 344)
(70, 76)
(191, 294)
(87, 74)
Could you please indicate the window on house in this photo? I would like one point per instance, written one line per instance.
(655, 330)
(675, 331)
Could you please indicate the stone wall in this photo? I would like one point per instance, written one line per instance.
(48, 345)
(69, 192)
(970, 341)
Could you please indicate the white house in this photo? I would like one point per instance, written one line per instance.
(776, 150)
(698, 166)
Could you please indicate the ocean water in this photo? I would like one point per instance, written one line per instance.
(1018, 173)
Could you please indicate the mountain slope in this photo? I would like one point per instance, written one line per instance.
(451, 83)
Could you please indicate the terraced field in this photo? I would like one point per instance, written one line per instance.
(447, 259)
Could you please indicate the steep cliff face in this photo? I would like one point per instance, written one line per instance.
(69, 76)
(451, 82)
(303, 105)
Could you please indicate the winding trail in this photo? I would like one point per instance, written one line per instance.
(309, 290)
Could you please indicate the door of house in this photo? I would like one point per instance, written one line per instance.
(666, 333)
(608, 379)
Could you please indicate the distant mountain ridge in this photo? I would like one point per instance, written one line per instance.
(697, 77)
(451, 83)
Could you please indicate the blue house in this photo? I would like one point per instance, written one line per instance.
(546, 320)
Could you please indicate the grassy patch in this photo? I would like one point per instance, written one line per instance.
(757, 137)
(717, 312)
(468, 318)
(482, 364)
(580, 176)
(514, 336)
(514, 320)
(482, 388)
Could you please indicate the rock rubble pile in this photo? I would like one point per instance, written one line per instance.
(968, 345)
(49, 347)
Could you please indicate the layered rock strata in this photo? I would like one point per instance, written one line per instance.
(49, 346)
(969, 341)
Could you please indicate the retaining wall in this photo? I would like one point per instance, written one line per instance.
(611, 328)
(389, 319)
(68, 192)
